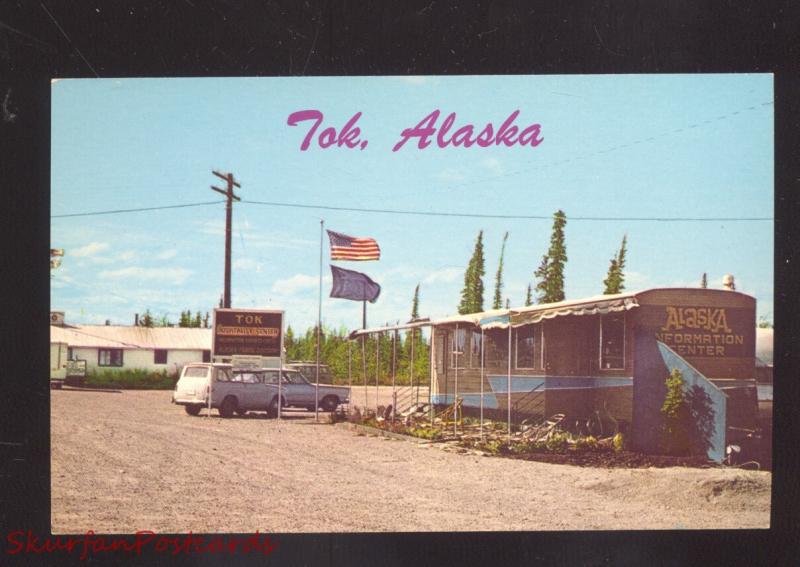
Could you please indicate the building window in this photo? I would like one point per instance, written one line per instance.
(109, 357)
(439, 347)
(458, 349)
(206, 356)
(159, 356)
(612, 342)
(475, 350)
(496, 348)
(524, 346)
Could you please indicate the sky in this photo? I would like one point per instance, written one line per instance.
(613, 147)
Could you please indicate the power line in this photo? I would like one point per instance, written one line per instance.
(499, 216)
(428, 213)
(94, 213)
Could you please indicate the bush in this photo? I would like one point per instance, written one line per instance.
(675, 433)
(130, 379)
(557, 442)
(618, 442)
(424, 433)
(586, 443)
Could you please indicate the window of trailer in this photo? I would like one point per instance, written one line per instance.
(612, 342)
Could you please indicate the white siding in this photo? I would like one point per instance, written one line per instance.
(142, 359)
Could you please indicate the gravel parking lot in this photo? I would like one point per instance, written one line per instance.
(128, 461)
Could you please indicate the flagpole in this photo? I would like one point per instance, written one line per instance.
(319, 324)
(364, 314)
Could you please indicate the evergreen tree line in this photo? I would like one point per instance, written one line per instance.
(343, 355)
(186, 320)
(548, 276)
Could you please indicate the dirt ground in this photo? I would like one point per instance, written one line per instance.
(131, 460)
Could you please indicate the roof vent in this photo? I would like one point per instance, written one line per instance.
(57, 318)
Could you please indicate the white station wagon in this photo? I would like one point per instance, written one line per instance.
(239, 390)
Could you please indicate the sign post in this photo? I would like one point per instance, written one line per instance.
(249, 333)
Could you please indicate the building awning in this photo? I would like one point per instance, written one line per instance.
(499, 318)
(611, 304)
(599, 305)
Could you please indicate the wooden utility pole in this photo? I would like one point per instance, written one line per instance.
(228, 192)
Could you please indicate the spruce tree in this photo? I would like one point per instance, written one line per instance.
(146, 320)
(198, 320)
(540, 275)
(615, 280)
(184, 320)
(528, 297)
(472, 294)
(704, 281)
(498, 280)
(550, 273)
(415, 304)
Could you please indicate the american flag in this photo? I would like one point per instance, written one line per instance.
(345, 247)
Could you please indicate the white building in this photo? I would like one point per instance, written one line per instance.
(110, 347)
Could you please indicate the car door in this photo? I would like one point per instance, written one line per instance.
(221, 387)
(258, 392)
(295, 390)
(270, 382)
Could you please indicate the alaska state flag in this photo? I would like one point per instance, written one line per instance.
(348, 284)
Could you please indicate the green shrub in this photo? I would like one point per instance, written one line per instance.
(618, 442)
(130, 379)
(424, 433)
(675, 433)
(586, 443)
(557, 442)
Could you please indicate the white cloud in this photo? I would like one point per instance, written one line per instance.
(444, 275)
(168, 275)
(167, 254)
(89, 250)
(247, 264)
(493, 164)
(297, 281)
(215, 228)
(450, 174)
(254, 237)
(128, 255)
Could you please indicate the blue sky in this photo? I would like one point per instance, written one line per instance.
(614, 146)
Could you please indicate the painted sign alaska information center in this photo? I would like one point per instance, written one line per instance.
(247, 332)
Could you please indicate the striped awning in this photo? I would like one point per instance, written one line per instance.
(596, 307)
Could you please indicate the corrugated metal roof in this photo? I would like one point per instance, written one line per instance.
(110, 336)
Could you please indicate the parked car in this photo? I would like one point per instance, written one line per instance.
(309, 370)
(239, 390)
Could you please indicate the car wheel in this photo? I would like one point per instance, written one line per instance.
(330, 403)
(272, 410)
(228, 407)
(193, 409)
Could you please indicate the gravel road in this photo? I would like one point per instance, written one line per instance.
(131, 460)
